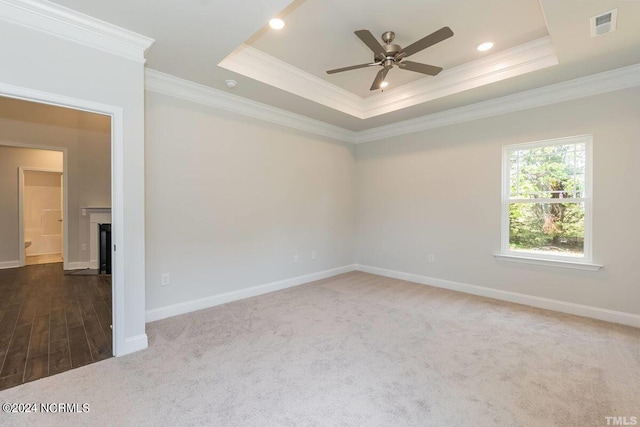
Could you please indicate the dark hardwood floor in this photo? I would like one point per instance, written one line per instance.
(51, 322)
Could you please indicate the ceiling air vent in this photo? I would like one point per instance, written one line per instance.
(604, 23)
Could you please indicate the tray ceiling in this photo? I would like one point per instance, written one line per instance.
(530, 36)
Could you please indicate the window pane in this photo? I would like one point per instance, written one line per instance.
(550, 228)
(546, 172)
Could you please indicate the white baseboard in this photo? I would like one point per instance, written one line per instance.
(133, 344)
(43, 253)
(93, 264)
(202, 303)
(81, 265)
(9, 264)
(533, 301)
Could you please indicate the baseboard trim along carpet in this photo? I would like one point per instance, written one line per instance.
(623, 318)
(202, 303)
(133, 344)
(9, 264)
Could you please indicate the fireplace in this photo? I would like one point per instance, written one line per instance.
(104, 264)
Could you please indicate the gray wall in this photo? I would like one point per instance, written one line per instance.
(438, 191)
(87, 138)
(230, 200)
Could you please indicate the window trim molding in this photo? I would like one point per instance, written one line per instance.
(506, 254)
(574, 265)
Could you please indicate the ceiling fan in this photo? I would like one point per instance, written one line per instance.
(389, 55)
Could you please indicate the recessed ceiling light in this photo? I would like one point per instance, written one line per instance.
(485, 46)
(384, 84)
(276, 24)
(230, 83)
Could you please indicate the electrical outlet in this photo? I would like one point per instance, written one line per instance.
(166, 279)
(431, 258)
(84, 212)
(314, 255)
(84, 246)
(295, 258)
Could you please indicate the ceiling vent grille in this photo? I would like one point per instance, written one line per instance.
(604, 23)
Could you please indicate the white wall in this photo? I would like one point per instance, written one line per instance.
(36, 60)
(438, 191)
(230, 200)
(87, 138)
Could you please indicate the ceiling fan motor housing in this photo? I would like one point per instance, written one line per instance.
(391, 50)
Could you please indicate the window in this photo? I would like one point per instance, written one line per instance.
(546, 200)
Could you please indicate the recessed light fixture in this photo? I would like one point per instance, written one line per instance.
(483, 47)
(230, 83)
(276, 24)
(384, 84)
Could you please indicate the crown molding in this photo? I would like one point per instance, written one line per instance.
(251, 62)
(68, 24)
(608, 81)
(522, 59)
(166, 84)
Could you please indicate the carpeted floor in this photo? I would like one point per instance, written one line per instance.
(357, 350)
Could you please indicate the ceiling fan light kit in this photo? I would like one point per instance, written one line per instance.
(388, 55)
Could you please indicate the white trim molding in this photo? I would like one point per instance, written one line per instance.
(133, 344)
(51, 18)
(528, 57)
(574, 265)
(80, 265)
(176, 87)
(254, 63)
(214, 300)
(595, 84)
(620, 317)
(9, 264)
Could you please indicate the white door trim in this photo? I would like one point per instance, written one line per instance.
(65, 209)
(117, 195)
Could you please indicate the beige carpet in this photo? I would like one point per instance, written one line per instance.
(357, 350)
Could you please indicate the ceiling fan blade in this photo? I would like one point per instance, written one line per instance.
(353, 67)
(371, 42)
(430, 70)
(379, 78)
(433, 38)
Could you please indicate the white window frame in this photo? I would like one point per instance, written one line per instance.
(583, 262)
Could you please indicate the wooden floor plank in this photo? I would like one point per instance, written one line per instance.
(37, 367)
(28, 311)
(58, 326)
(59, 358)
(51, 322)
(39, 343)
(79, 347)
(8, 322)
(100, 347)
(16, 357)
(104, 317)
(11, 380)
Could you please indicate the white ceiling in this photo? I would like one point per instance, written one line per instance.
(193, 36)
(330, 43)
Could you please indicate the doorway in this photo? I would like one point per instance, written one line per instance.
(55, 171)
(41, 202)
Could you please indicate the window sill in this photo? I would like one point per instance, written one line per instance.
(575, 265)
